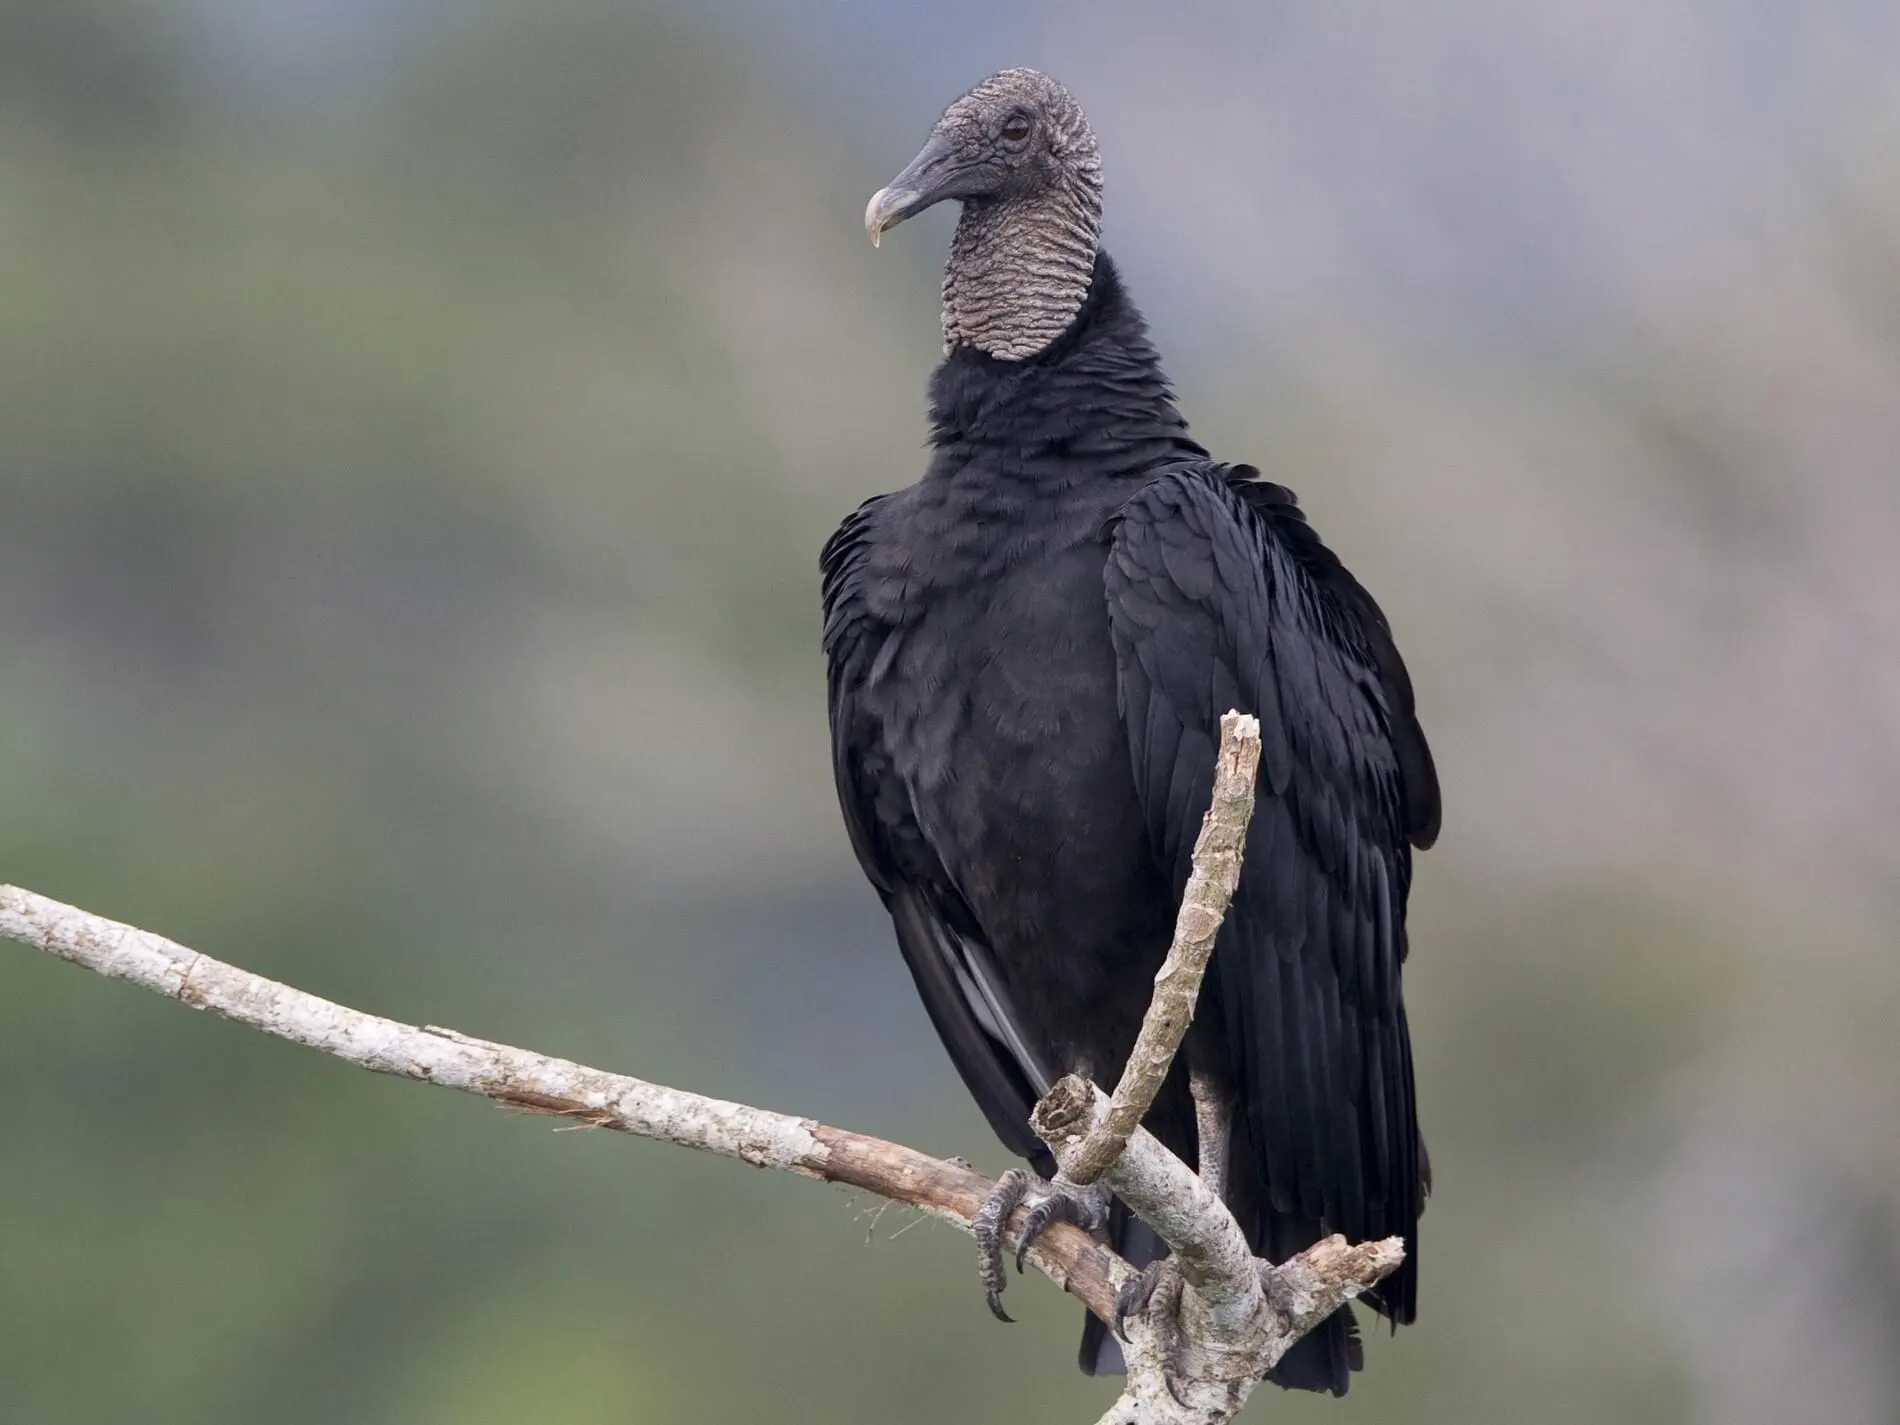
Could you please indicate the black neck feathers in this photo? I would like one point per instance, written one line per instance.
(1095, 396)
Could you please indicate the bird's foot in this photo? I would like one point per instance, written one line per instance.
(1154, 1297)
(1049, 1202)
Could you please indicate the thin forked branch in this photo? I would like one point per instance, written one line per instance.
(1226, 1318)
(1236, 1316)
(1210, 890)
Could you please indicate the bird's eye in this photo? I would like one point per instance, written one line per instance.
(1016, 128)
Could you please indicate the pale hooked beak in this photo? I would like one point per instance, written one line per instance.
(938, 172)
(889, 207)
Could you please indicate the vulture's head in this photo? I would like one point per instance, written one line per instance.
(1017, 153)
(1017, 136)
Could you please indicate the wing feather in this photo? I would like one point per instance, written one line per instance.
(966, 999)
(1221, 596)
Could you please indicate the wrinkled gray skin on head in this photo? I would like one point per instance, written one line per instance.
(1017, 152)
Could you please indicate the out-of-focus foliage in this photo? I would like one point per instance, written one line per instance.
(410, 490)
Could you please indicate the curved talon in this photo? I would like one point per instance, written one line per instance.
(1041, 1218)
(1049, 1203)
(1168, 1374)
(1159, 1281)
(1034, 1225)
(1137, 1292)
(1132, 1299)
(1061, 1201)
(987, 1228)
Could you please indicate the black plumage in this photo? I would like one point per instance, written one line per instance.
(1029, 652)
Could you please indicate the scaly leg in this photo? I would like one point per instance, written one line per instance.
(1214, 1126)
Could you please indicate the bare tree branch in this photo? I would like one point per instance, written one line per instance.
(1226, 1318)
(1207, 1242)
(1235, 1316)
(522, 1079)
(1210, 889)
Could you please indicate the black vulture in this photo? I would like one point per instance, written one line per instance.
(1029, 652)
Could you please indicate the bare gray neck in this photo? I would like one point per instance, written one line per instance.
(1019, 269)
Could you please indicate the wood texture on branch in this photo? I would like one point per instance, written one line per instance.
(522, 1079)
(1210, 889)
(1237, 1315)
(1208, 1244)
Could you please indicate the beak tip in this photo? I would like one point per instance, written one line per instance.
(888, 207)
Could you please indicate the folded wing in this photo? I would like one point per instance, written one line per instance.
(1220, 596)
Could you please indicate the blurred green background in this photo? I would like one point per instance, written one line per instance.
(418, 423)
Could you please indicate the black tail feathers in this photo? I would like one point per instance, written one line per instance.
(1324, 1358)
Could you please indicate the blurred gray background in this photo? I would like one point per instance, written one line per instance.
(418, 423)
